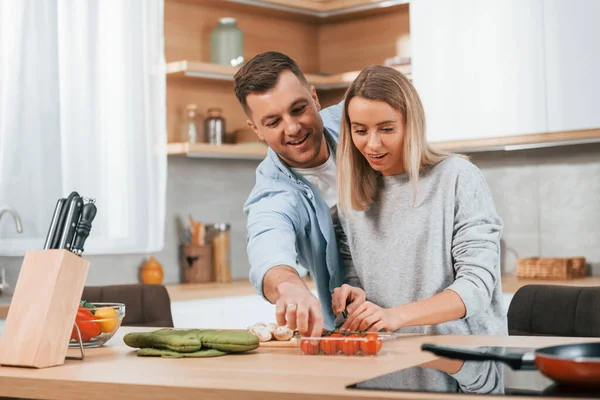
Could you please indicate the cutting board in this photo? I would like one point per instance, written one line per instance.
(293, 342)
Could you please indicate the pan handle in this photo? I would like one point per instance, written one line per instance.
(515, 361)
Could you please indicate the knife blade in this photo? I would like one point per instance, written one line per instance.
(54, 224)
(83, 227)
(70, 224)
(340, 319)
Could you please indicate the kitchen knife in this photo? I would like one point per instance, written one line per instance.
(54, 224)
(61, 221)
(83, 228)
(71, 221)
(340, 319)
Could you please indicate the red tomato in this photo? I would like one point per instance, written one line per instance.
(331, 346)
(309, 346)
(350, 345)
(87, 326)
(371, 344)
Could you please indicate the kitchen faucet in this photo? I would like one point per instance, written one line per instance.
(15, 217)
(3, 285)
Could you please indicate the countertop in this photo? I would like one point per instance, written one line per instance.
(193, 291)
(197, 291)
(116, 372)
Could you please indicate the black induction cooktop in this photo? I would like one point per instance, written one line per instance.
(473, 377)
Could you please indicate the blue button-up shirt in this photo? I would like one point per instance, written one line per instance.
(289, 223)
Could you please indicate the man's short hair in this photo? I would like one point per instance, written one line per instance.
(261, 74)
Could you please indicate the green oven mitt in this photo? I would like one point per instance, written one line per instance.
(174, 354)
(188, 341)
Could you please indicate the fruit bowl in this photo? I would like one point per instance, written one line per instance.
(97, 323)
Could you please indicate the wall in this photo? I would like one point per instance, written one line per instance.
(549, 200)
(209, 190)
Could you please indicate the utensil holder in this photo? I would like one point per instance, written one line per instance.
(43, 308)
(197, 263)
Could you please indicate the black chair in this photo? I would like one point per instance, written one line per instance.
(145, 305)
(555, 310)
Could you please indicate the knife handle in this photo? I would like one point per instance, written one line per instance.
(54, 224)
(83, 228)
(55, 240)
(71, 221)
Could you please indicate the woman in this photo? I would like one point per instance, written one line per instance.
(421, 224)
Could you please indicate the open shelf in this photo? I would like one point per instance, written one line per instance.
(521, 142)
(203, 70)
(224, 151)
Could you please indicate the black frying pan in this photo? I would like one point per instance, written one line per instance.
(572, 364)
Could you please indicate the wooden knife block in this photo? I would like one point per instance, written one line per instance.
(42, 311)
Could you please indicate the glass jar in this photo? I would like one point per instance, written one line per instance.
(191, 127)
(215, 126)
(221, 252)
(227, 43)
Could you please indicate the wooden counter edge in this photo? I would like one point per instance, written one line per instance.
(510, 283)
(242, 287)
(211, 290)
(198, 291)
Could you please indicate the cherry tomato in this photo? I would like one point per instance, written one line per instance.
(371, 344)
(87, 326)
(309, 346)
(350, 345)
(329, 344)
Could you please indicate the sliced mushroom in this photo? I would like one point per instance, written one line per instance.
(271, 327)
(263, 333)
(283, 333)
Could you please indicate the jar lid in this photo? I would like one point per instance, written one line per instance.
(222, 226)
(214, 111)
(227, 20)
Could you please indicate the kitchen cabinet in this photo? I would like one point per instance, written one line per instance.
(332, 41)
(494, 75)
(237, 312)
(572, 60)
(479, 67)
(327, 8)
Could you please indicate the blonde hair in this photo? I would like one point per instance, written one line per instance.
(357, 181)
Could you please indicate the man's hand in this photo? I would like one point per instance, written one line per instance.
(371, 317)
(347, 298)
(295, 305)
(299, 309)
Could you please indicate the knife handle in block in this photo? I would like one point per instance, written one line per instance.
(54, 224)
(70, 224)
(83, 228)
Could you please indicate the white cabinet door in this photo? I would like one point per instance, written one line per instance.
(479, 67)
(223, 313)
(237, 312)
(572, 44)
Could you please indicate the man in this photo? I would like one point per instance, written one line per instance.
(291, 206)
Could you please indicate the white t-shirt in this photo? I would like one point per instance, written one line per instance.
(323, 178)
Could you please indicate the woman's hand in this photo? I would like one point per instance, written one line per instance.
(371, 317)
(347, 298)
